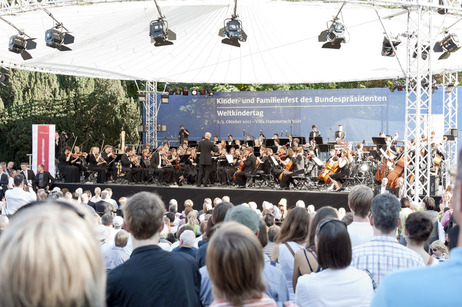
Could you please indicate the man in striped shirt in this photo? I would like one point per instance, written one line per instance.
(383, 254)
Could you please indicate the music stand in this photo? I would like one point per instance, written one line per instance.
(375, 154)
(184, 158)
(250, 143)
(317, 139)
(324, 147)
(269, 143)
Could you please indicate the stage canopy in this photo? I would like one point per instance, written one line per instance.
(112, 41)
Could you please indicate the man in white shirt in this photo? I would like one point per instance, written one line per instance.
(359, 201)
(17, 197)
(110, 200)
(383, 254)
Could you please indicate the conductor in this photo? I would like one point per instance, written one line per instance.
(205, 149)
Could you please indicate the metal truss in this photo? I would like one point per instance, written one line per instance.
(450, 101)
(418, 103)
(151, 107)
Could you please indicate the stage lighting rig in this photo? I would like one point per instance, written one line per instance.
(334, 35)
(159, 32)
(58, 36)
(449, 44)
(233, 31)
(389, 48)
(21, 42)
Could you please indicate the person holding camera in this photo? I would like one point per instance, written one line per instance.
(183, 135)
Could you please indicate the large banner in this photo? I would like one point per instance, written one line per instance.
(362, 112)
(43, 147)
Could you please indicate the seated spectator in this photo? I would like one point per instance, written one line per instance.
(348, 218)
(102, 206)
(59, 258)
(417, 230)
(300, 203)
(151, 277)
(338, 284)
(269, 220)
(234, 249)
(305, 260)
(439, 251)
(383, 254)
(187, 240)
(118, 222)
(16, 197)
(292, 238)
(193, 222)
(171, 218)
(117, 255)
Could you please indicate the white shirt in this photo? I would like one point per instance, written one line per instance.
(10, 183)
(16, 198)
(286, 260)
(360, 232)
(113, 203)
(342, 287)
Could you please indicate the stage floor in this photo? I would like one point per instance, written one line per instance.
(237, 195)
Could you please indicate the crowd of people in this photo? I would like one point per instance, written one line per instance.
(83, 248)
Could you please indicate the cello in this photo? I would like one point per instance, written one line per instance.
(290, 165)
(331, 168)
(241, 167)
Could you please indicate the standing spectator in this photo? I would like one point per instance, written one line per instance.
(352, 286)
(235, 262)
(17, 197)
(411, 287)
(359, 201)
(151, 277)
(439, 251)
(117, 255)
(383, 254)
(292, 238)
(430, 210)
(417, 230)
(187, 239)
(403, 214)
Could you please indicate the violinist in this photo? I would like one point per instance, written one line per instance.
(97, 164)
(264, 160)
(131, 165)
(225, 171)
(249, 162)
(190, 166)
(169, 172)
(295, 166)
(156, 164)
(344, 170)
(174, 160)
(69, 172)
(109, 156)
(145, 162)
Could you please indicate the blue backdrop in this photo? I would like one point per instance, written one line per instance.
(362, 112)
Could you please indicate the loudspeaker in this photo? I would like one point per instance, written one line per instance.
(455, 132)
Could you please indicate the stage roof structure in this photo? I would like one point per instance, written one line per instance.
(112, 40)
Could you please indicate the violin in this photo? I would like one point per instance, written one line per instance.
(135, 160)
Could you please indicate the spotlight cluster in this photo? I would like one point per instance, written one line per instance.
(194, 91)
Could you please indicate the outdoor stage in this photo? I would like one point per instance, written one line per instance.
(237, 195)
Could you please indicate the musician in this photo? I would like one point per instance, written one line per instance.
(205, 149)
(156, 165)
(190, 166)
(28, 174)
(383, 188)
(69, 172)
(314, 132)
(97, 164)
(224, 173)
(60, 142)
(110, 158)
(340, 134)
(344, 170)
(4, 178)
(290, 144)
(43, 179)
(262, 139)
(295, 166)
(249, 160)
(230, 140)
(276, 140)
(183, 135)
(146, 170)
(80, 159)
(215, 139)
(399, 188)
(359, 153)
(131, 165)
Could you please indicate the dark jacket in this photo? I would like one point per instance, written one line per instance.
(205, 148)
(48, 180)
(154, 277)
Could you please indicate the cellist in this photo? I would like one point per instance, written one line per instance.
(296, 165)
(249, 161)
(344, 170)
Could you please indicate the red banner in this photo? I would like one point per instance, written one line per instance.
(43, 147)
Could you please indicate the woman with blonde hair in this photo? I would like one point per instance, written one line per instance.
(292, 238)
(49, 256)
(235, 264)
(439, 251)
(193, 222)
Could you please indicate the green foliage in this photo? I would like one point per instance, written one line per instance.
(92, 109)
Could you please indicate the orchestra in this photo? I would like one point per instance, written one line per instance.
(241, 163)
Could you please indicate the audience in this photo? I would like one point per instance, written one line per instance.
(4, 223)
(117, 254)
(54, 261)
(359, 202)
(273, 233)
(338, 284)
(403, 214)
(151, 277)
(417, 230)
(187, 240)
(383, 254)
(292, 238)
(17, 197)
(235, 263)
(439, 251)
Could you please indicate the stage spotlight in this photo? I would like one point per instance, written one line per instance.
(58, 36)
(233, 32)
(334, 35)
(160, 34)
(19, 44)
(202, 92)
(178, 91)
(194, 92)
(210, 92)
(448, 45)
(171, 91)
(387, 49)
(185, 91)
